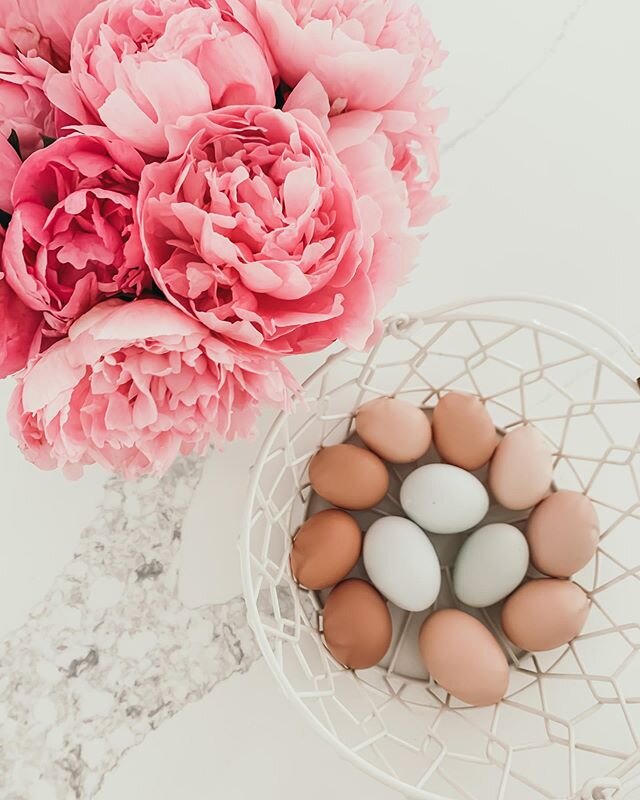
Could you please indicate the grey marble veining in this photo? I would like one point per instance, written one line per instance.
(548, 52)
(111, 652)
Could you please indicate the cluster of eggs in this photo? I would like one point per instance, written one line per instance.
(457, 649)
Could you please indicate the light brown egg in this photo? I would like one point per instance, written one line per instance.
(521, 469)
(349, 476)
(356, 624)
(394, 429)
(563, 533)
(463, 431)
(544, 614)
(463, 657)
(325, 549)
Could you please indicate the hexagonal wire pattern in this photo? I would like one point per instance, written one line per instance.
(570, 724)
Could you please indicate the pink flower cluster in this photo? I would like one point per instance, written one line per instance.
(189, 191)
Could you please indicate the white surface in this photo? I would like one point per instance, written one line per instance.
(195, 758)
(42, 516)
(542, 170)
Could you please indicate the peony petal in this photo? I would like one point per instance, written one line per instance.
(349, 76)
(189, 95)
(137, 320)
(310, 94)
(353, 129)
(49, 377)
(9, 166)
(62, 93)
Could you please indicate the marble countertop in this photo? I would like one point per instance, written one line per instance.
(127, 670)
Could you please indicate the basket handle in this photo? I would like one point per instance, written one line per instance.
(571, 308)
(610, 789)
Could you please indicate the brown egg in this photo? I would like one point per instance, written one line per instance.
(356, 624)
(463, 431)
(348, 476)
(394, 429)
(463, 657)
(563, 534)
(521, 469)
(544, 614)
(325, 549)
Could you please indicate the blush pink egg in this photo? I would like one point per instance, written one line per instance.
(521, 469)
(544, 614)
(394, 429)
(463, 657)
(563, 533)
(463, 431)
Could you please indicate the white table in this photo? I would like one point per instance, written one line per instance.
(541, 166)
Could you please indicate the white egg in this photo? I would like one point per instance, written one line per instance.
(401, 563)
(444, 499)
(490, 565)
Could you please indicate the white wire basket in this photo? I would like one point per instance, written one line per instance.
(569, 726)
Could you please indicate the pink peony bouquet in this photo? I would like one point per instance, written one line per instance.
(191, 190)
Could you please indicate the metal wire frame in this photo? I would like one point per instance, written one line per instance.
(371, 716)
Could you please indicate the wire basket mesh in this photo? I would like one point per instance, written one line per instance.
(569, 726)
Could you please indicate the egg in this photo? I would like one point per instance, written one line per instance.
(490, 565)
(401, 563)
(463, 431)
(521, 469)
(394, 429)
(544, 614)
(349, 476)
(325, 549)
(463, 657)
(442, 498)
(563, 533)
(356, 624)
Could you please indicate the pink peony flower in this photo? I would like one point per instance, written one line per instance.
(367, 154)
(19, 330)
(139, 65)
(73, 238)
(44, 27)
(253, 227)
(9, 166)
(371, 55)
(24, 107)
(135, 385)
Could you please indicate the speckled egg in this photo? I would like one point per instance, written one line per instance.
(442, 498)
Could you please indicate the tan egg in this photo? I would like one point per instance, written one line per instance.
(563, 533)
(521, 469)
(463, 431)
(463, 657)
(544, 614)
(394, 429)
(356, 624)
(325, 549)
(348, 476)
